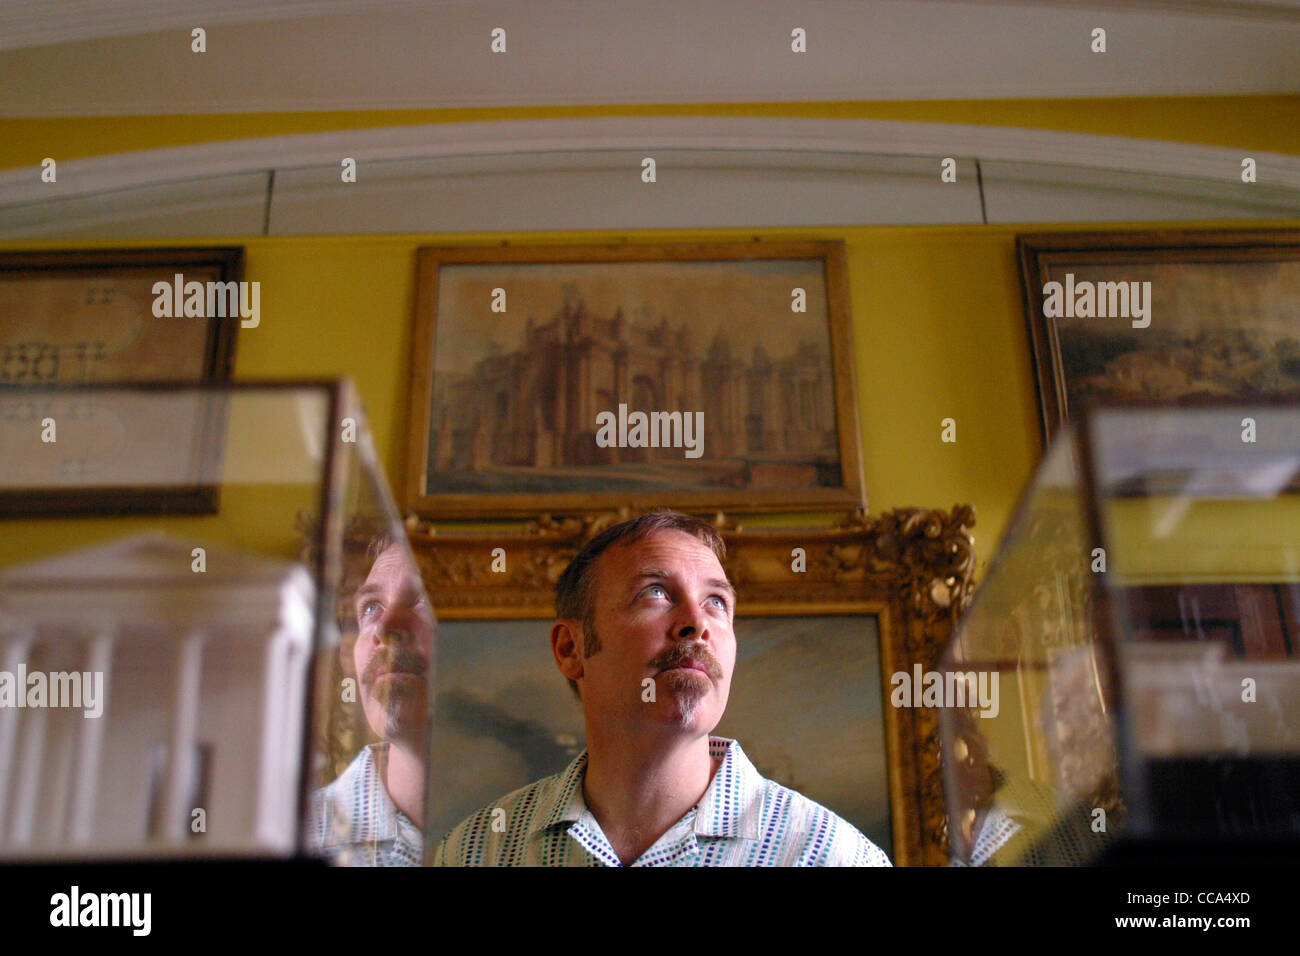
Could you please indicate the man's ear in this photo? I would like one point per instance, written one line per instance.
(566, 644)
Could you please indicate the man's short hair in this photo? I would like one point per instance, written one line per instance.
(380, 542)
(355, 573)
(573, 598)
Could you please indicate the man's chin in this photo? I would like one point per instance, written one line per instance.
(684, 696)
(398, 717)
(405, 729)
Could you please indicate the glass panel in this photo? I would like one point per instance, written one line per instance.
(1027, 746)
(156, 670)
(368, 803)
(1200, 510)
(1191, 600)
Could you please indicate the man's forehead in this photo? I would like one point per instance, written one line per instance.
(391, 566)
(661, 550)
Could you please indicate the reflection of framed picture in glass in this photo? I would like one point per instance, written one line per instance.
(817, 647)
(1161, 316)
(97, 316)
(103, 449)
(573, 378)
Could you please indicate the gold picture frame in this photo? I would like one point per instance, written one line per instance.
(523, 356)
(911, 569)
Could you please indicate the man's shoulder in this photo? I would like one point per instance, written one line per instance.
(350, 810)
(823, 837)
(339, 795)
(497, 833)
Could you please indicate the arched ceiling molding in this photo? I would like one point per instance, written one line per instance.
(523, 139)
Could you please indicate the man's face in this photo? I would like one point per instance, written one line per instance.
(393, 646)
(663, 612)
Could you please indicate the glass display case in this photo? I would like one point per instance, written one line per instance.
(213, 639)
(1139, 627)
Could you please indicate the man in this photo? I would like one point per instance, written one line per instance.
(372, 815)
(1010, 820)
(644, 634)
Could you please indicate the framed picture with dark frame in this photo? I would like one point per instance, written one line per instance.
(575, 378)
(113, 316)
(1182, 315)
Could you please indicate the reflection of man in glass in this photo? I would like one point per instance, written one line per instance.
(1010, 820)
(373, 813)
(644, 634)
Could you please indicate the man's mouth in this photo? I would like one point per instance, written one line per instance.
(689, 665)
(397, 672)
(401, 664)
(681, 658)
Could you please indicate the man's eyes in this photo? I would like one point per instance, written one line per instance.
(370, 610)
(721, 601)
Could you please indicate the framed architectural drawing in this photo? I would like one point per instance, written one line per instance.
(1161, 316)
(571, 378)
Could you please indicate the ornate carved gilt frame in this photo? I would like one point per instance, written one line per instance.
(910, 567)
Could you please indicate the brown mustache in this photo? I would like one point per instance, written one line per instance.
(681, 653)
(397, 660)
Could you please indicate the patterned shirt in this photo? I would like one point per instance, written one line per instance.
(354, 822)
(743, 819)
(1027, 826)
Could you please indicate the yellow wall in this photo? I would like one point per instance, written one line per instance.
(1167, 540)
(937, 315)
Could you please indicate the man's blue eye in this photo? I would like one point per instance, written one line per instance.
(722, 602)
(657, 587)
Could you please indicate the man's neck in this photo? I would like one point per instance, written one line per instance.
(403, 773)
(638, 789)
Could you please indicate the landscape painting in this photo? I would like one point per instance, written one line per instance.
(1223, 318)
(552, 378)
(806, 706)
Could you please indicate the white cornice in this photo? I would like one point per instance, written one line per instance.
(521, 142)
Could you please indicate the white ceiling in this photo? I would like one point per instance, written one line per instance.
(89, 57)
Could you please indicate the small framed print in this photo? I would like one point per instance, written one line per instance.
(121, 316)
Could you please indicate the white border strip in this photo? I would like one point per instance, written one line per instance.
(520, 138)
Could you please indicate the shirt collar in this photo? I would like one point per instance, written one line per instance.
(731, 807)
(733, 804)
(567, 805)
(361, 788)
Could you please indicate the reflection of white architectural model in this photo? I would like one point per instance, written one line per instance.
(199, 745)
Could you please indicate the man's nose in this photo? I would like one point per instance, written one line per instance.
(691, 625)
(406, 626)
(394, 626)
